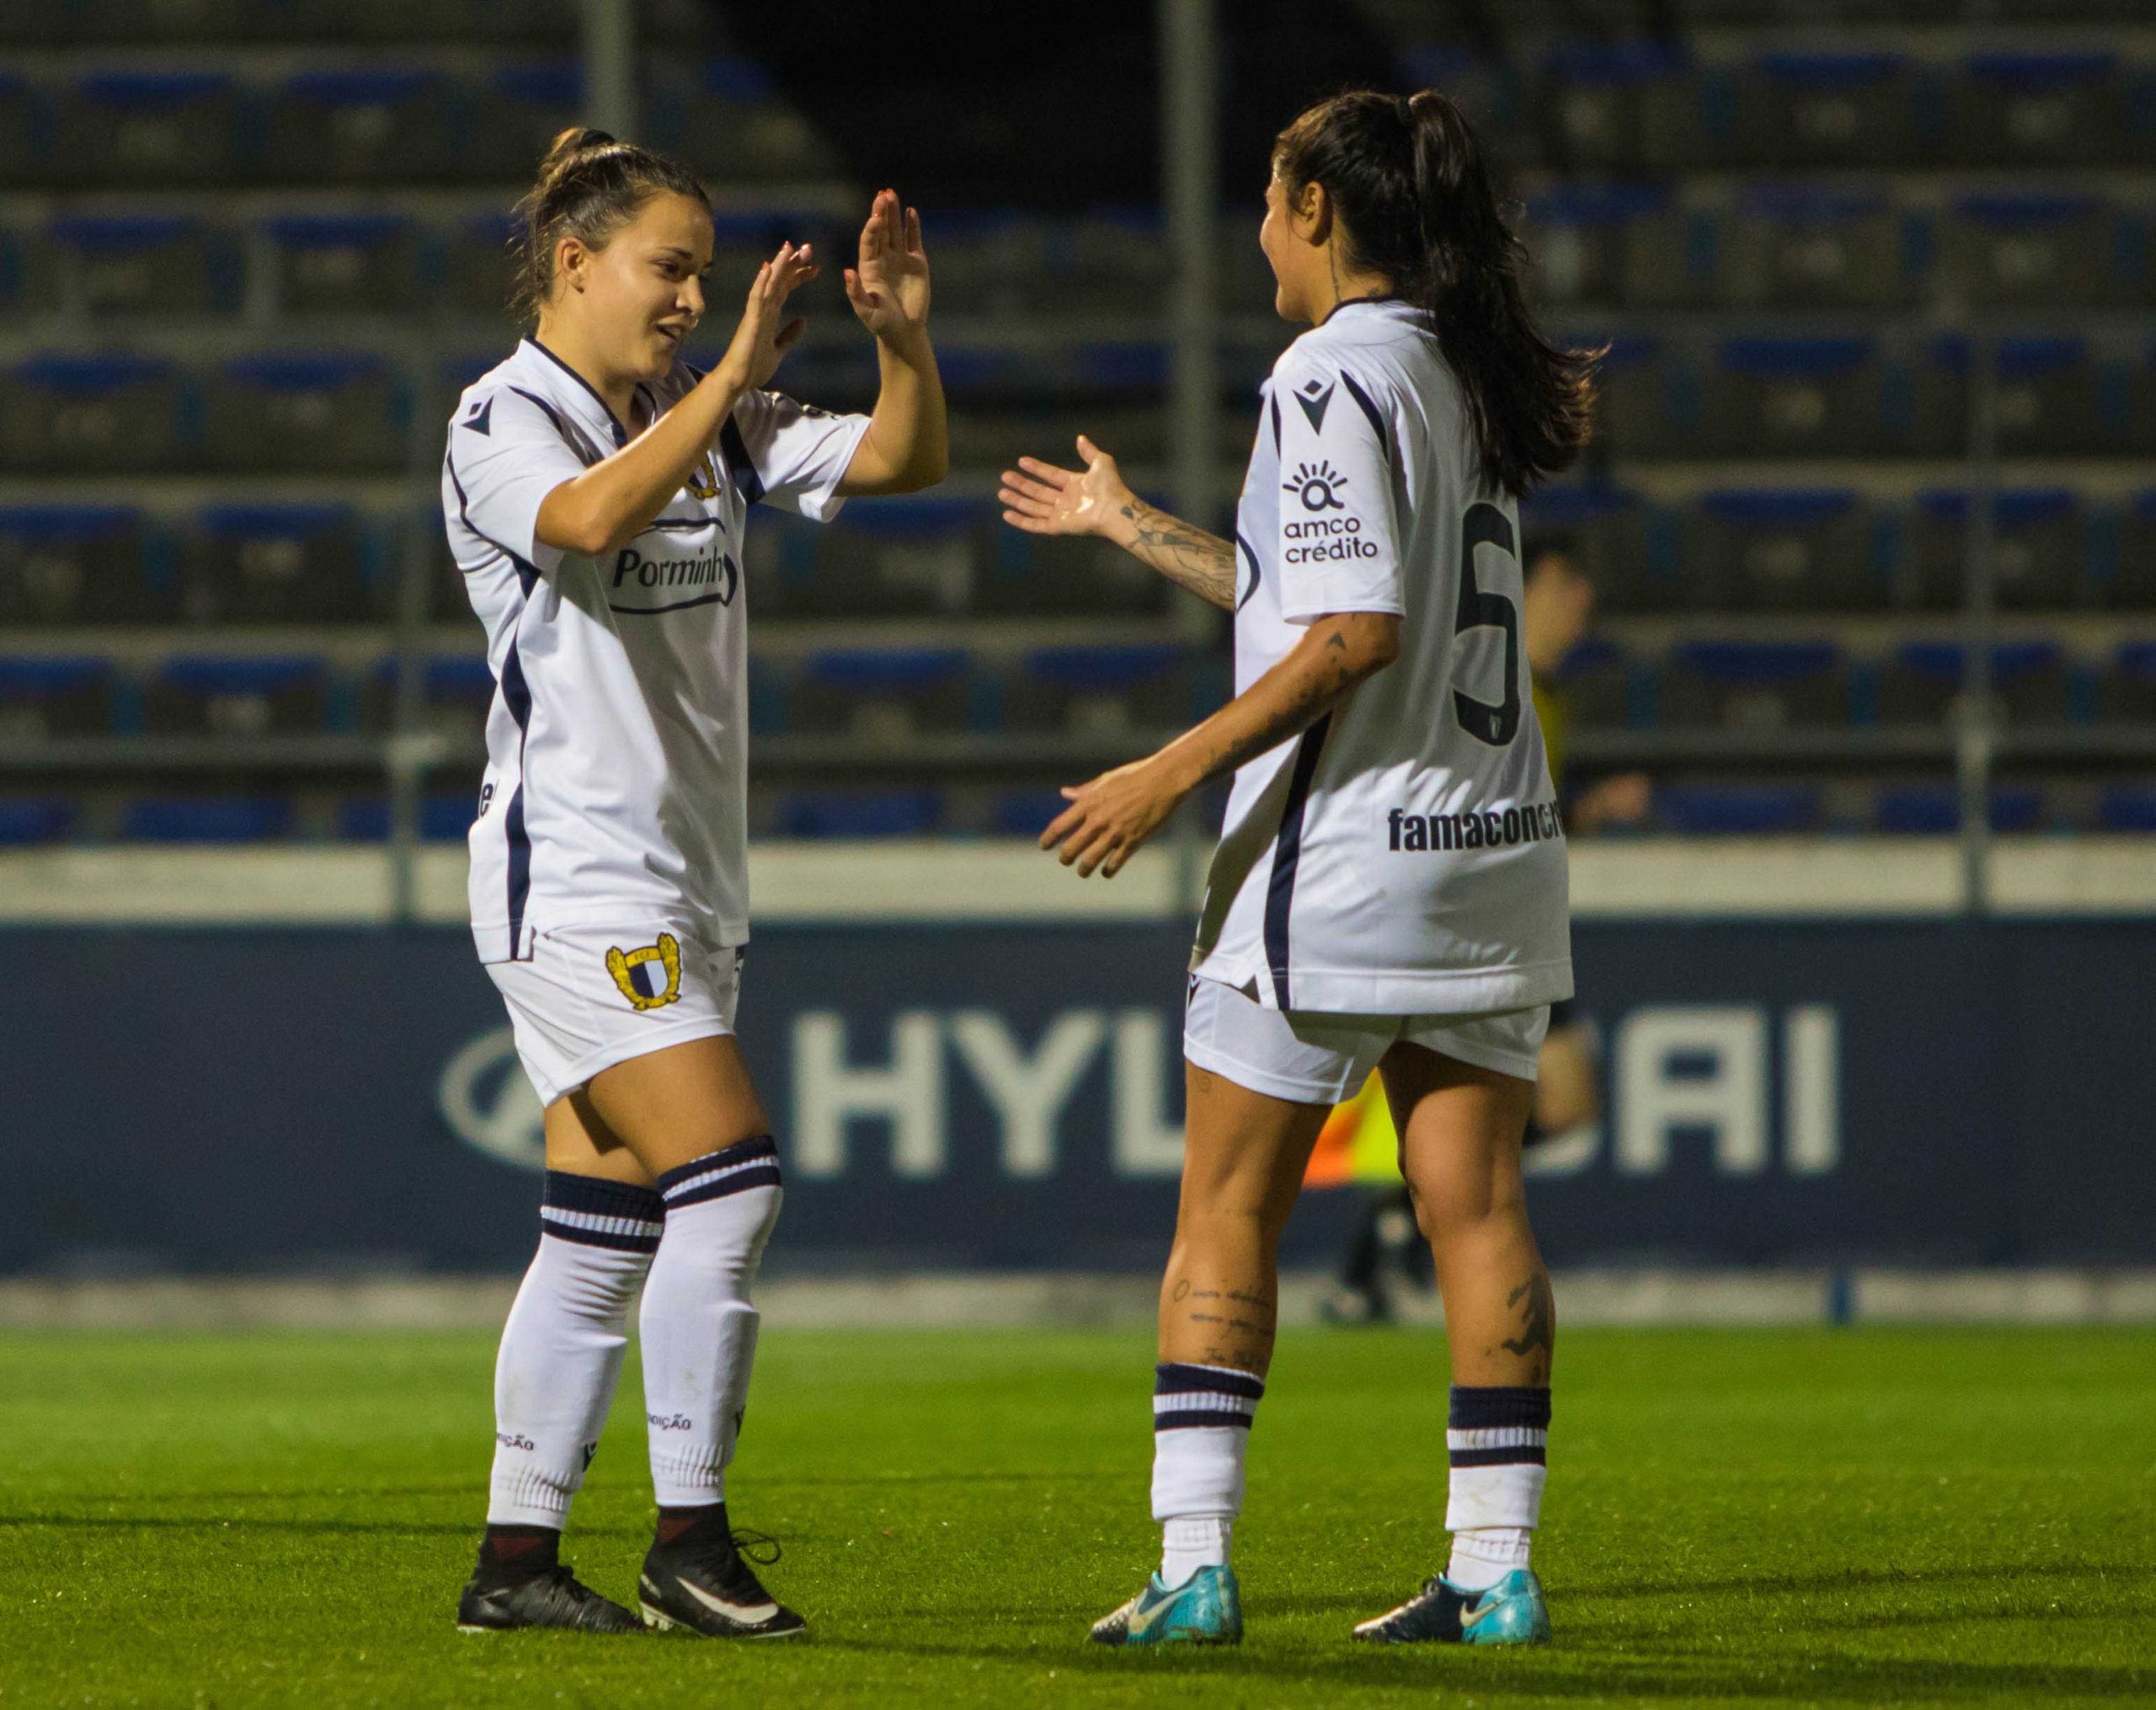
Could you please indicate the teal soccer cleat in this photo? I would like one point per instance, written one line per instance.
(1205, 1609)
(1512, 1611)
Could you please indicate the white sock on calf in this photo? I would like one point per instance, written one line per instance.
(1498, 1437)
(562, 1348)
(1202, 1417)
(699, 1330)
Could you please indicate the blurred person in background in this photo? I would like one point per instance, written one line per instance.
(596, 488)
(1359, 1143)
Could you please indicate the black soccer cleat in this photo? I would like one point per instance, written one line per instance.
(702, 1583)
(1512, 1611)
(552, 1597)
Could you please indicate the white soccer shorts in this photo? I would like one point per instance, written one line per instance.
(1310, 1058)
(593, 996)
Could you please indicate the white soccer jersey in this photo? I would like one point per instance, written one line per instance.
(1404, 855)
(617, 742)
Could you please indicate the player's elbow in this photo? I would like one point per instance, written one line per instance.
(1373, 640)
(572, 526)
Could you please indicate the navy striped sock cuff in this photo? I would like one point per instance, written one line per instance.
(732, 1169)
(1188, 1396)
(1499, 1425)
(594, 1213)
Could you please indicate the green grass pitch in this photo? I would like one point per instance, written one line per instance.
(1761, 1518)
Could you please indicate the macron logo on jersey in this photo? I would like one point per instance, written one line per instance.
(1314, 395)
(481, 419)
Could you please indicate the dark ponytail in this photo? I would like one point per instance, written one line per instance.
(1407, 183)
(589, 186)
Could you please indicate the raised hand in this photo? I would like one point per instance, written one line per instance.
(888, 290)
(765, 335)
(1043, 498)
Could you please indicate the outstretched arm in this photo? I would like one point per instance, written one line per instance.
(907, 444)
(1042, 499)
(1109, 818)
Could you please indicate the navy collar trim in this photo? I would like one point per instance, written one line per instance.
(1348, 302)
(621, 433)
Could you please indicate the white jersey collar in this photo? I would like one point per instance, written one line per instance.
(578, 394)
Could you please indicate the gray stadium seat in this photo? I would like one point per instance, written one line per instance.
(884, 697)
(1601, 688)
(899, 557)
(1792, 397)
(725, 119)
(20, 155)
(108, 414)
(521, 109)
(1815, 110)
(43, 696)
(1803, 246)
(150, 265)
(1618, 107)
(1773, 550)
(2044, 251)
(2127, 690)
(1640, 386)
(73, 564)
(479, 269)
(30, 274)
(1675, 255)
(240, 695)
(1754, 686)
(400, 21)
(2056, 398)
(147, 129)
(1102, 692)
(456, 695)
(1059, 575)
(2039, 551)
(132, 23)
(1623, 547)
(2133, 587)
(2040, 110)
(350, 264)
(279, 563)
(1920, 682)
(380, 125)
(344, 411)
(1580, 235)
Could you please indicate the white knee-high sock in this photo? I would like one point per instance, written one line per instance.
(1499, 1440)
(699, 1330)
(1202, 1417)
(560, 1352)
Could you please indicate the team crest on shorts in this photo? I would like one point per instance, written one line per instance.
(634, 971)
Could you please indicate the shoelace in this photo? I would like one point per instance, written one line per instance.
(746, 1543)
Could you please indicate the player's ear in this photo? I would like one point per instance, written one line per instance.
(1309, 211)
(569, 259)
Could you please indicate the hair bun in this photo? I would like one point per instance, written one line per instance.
(577, 139)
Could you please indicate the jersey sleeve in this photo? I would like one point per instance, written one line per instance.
(505, 456)
(1338, 547)
(789, 454)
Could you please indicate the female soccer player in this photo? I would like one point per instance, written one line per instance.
(1391, 888)
(596, 488)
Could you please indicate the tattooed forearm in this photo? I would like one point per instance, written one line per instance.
(1307, 699)
(1188, 557)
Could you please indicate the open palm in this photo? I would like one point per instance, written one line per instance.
(888, 290)
(1043, 498)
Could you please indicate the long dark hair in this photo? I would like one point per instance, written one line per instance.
(589, 186)
(1407, 182)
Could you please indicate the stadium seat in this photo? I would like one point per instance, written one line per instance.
(1675, 255)
(478, 273)
(2132, 586)
(377, 124)
(150, 265)
(1025, 813)
(146, 129)
(1102, 692)
(912, 556)
(1935, 810)
(72, 564)
(2056, 397)
(206, 819)
(21, 158)
(1600, 687)
(2040, 251)
(2038, 109)
(1623, 107)
(279, 563)
(456, 694)
(1737, 809)
(1754, 685)
(348, 263)
(1792, 397)
(443, 819)
(2128, 807)
(521, 109)
(881, 696)
(30, 820)
(1765, 550)
(348, 411)
(1622, 546)
(52, 695)
(2126, 692)
(30, 274)
(865, 814)
(1920, 684)
(1108, 258)
(725, 118)
(1583, 238)
(1806, 246)
(2039, 554)
(1648, 399)
(102, 414)
(240, 695)
(1812, 110)
(1062, 575)
(132, 23)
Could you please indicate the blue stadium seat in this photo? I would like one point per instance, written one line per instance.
(522, 108)
(150, 129)
(1770, 550)
(1809, 246)
(2133, 586)
(479, 271)
(374, 125)
(345, 264)
(727, 116)
(2056, 398)
(869, 814)
(150, 265)
(2039, 109)
(2041, 251)
(280, 563)
(1918, 685)
(882, 696)
(1598, 686)
(1649, 405)
(1935, 810)
(1101, 691)
(1025, 813)
(913, 556)
(443, 819)
(2039, 554)
(22, 160)
(1622, 547)
(238, 696)
(1675, 256)
(53, 695)
(1754, 685)
(1582, 238)
(2128, 807)
(2126, 693)
(1619, 107)
(206, 819)
(1794, 398)
(1825, 110)
(95, 415)
(456, 694)
(344, 411)
(1064, 575)
(30, 274)
(1737, 809)
(73, 564)
(29, 819)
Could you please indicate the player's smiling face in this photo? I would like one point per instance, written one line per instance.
(643, 293)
